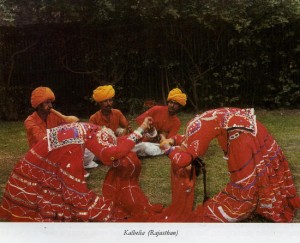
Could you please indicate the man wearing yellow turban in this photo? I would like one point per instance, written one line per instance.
(165, 123)
(107, 116)
(176, 95)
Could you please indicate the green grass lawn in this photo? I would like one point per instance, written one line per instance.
(284, 125)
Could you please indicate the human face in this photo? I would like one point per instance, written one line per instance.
(45, 107)
(173, 107)
(106, 105)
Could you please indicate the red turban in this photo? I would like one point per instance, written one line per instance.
(177, 95)
(41, 94)
(103, 93)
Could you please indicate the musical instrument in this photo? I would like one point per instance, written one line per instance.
(68, 119)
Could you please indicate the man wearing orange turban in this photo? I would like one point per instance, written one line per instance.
(107, 116)
(41, 119)
(165, 123)
(41, 94)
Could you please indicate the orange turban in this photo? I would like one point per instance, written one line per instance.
(177, 95)
(103, 93)
(41, 94)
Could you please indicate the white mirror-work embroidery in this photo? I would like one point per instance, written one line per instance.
(106, 137)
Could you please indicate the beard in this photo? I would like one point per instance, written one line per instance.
(172, 111)
(107, 108)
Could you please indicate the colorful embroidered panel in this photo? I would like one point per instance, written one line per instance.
(243, 120)
(193, 126)
(106, 137)
(64, 135)
(230, 119)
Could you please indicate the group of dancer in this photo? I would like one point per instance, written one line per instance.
(49, 183)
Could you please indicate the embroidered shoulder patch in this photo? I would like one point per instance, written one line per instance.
(64, 135)
(193, 126)
(106, 137)
(242, 120)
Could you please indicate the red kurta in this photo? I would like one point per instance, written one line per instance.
(260, 179)
(48, 184)
(36, 127)
(162, 120)
(113, 121)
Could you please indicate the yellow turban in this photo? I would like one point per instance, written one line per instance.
(41, 94)
(177, 95)
(103, 93)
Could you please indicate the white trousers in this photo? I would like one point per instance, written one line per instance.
(88, 157)
(144, 149)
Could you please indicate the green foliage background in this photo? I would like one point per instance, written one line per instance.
(221, 53)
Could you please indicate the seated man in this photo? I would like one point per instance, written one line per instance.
(107, 116)
(260, 181)
(165, 123)
(44, 118)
